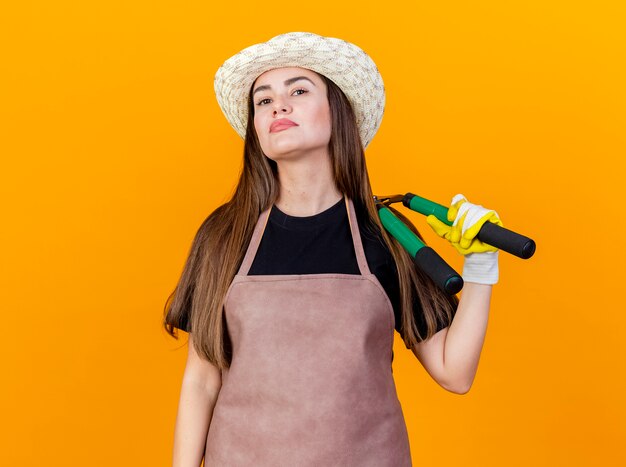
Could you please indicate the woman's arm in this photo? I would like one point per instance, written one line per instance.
(201, 384)
(451, 356)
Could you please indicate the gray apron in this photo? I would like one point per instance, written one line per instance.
(310, 383)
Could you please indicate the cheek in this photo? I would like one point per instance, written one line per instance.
(255, 120)
(323, 119)
(261, 124)
(258, 125)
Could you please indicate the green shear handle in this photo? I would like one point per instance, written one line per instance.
(424, 257)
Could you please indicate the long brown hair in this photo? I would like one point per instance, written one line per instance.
(221, 241)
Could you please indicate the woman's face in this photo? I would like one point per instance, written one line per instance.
(291, 113)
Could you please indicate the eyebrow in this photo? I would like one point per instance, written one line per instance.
(287, 83)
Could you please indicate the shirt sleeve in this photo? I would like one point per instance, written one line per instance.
(390, 283)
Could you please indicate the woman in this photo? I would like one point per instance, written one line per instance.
(292, 289)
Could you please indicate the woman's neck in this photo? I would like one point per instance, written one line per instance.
(307, 187)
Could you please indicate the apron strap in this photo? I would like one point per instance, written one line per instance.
(356, 239)
(254, 242)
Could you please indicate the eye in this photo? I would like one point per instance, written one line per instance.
(297, 92)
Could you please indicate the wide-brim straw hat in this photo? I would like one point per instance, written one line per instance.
(347, 65)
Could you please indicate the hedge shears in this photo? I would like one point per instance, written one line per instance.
(427, 258)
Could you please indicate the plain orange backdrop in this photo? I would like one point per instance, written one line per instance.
(114, 150)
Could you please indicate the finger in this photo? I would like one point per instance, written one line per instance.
(465, 243)
(473, 230)
(453, 211)
(481, 247)
(461, 251)
(439, 227)
(497, 221)
(455, 233)
(476, 246)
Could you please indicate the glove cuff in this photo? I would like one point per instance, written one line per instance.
(481, 268)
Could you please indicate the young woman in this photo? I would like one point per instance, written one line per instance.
(292, 289)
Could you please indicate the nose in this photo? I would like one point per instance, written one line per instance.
(281, 107)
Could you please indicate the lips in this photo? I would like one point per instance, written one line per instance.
(281, 124)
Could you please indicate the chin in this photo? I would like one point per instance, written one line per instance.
(291, 148)
(286, 151)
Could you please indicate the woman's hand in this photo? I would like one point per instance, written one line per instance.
(481, 259)
(468, 220)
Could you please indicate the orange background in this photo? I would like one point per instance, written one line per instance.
(114, 150)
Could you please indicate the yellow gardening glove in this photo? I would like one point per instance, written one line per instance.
(468, 219)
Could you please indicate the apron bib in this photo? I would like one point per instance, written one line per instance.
(310, 382)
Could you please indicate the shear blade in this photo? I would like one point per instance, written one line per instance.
(388, 199)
